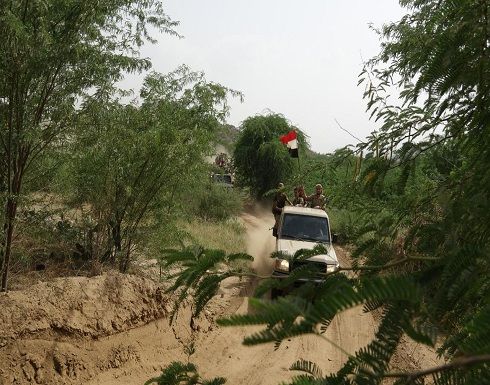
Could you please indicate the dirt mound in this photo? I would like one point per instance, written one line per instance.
(112, 329)
(39, 332)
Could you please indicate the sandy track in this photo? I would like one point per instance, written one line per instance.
(219, 351)
(133, 354)
(222, 353)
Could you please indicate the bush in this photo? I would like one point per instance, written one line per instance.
(345, 223)
(219, 203)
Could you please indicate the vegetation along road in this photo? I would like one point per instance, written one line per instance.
(86, 337)
(126, 257)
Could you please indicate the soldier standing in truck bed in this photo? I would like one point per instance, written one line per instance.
(280, 200)
(317, 200)
(298, 198)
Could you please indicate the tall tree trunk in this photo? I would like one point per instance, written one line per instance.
(9, 220)
(116, 237)
(116, 241)
(10, 213)
(16, 157)
(124, 262)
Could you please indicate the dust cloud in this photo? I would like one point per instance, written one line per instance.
(259, 240)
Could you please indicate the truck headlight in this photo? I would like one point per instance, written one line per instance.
(282, 265)
(332, 268)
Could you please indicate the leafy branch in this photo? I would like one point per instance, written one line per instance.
(460, 362)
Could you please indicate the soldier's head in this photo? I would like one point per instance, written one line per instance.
(295, 191)
(280, 186)
(319, 189)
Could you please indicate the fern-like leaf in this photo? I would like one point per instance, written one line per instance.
(199, 273)
(178, 373)
(307, 367)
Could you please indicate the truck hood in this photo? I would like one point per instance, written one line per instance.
(290, 246)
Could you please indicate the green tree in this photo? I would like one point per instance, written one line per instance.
(423, 258)
(131, 163)
(439, 57)
(51, 53)
(261, 160)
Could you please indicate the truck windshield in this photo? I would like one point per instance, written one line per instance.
(304, 227)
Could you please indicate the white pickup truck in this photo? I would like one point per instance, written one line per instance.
(303, 228)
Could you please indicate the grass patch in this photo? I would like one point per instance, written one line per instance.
(228, 235)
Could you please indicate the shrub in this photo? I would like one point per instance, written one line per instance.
(345, 223)
(219, 203)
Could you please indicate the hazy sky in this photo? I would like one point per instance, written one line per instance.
(298, 58)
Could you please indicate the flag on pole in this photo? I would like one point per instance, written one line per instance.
(291, 142)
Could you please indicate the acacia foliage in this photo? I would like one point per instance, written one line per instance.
(423, 191)
(431, 175)
(51, 53)
(133, 164)
(423, 257)
(439, 57)
(261, 160)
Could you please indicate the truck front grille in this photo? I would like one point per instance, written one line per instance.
(320, 267)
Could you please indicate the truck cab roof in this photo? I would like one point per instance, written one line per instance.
(305, 211)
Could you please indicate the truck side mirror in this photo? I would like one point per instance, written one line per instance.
(334, 238)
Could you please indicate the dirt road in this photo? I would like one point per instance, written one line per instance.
(349, 330)
(65, 343)
(219, 352)
(261, 364)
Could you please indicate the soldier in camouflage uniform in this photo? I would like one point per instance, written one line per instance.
(298, 199)
(278, 204)
(317, 200)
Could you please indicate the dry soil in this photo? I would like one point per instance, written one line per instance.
(113, 329)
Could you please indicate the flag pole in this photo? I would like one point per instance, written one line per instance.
(299, 164)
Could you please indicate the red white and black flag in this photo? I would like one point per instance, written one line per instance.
(291, 142)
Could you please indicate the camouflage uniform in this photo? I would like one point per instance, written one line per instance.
(298, 201)
(317, 200)
(279, 202)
